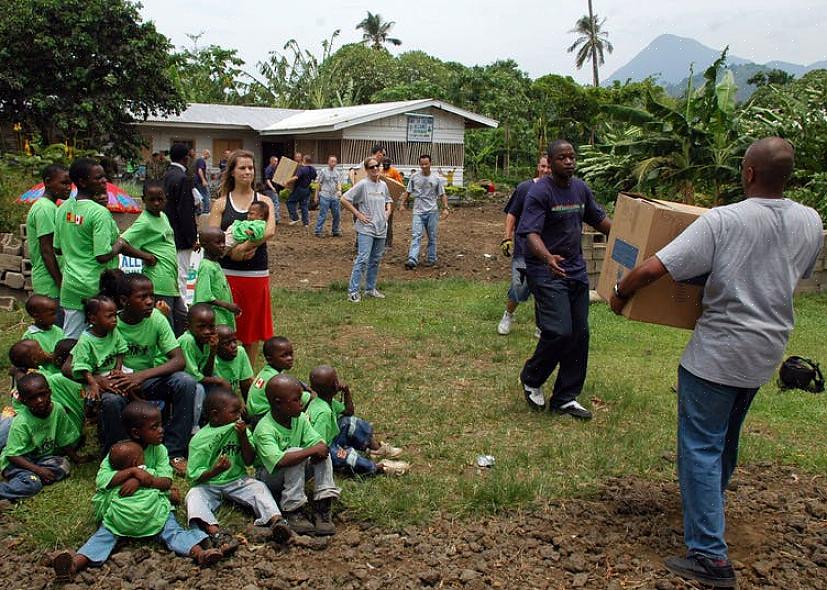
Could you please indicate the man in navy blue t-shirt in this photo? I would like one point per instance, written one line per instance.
(552, 223)
(514, 245)
(301, 191)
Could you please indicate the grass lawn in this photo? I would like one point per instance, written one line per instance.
(428, 369)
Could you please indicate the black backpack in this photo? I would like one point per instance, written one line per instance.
(799, 373)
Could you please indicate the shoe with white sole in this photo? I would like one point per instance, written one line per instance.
(504, 327)
(375, 293)
(574, 409)
(354, 297)
(535, 397)
(537, 333)
(292, 223)
(393, 467)
(385, 450)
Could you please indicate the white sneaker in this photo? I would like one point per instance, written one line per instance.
(293, 222)
(375, 293)
(504, 327)
(573, 408)
(354, 297)
(537, 333)
(534, 396)
(385, 450)
(396, 468)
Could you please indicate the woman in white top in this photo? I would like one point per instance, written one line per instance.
(371, 203)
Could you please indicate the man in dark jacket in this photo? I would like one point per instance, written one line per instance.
(180, 210)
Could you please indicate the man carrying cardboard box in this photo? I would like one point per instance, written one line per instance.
(755, 252)
(552, 223)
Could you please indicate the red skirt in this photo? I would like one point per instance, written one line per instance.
(252, 294)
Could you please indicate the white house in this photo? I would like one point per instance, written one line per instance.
(405, 128)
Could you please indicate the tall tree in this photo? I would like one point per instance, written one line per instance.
(210, 74)
(375, 31)
(83, 71)
(591, 44)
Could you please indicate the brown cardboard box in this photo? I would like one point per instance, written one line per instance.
(640, 228)
(285, 171)
(396, 189)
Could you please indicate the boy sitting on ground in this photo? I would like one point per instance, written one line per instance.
(346, 434)
(211, 285)
(278, 356)
(232, 362)
(249, 230)
(123, 511)
(44, 330)
(40, 438)
(218, 457)
(287, 448)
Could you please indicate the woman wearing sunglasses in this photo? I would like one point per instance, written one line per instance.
(371, 204)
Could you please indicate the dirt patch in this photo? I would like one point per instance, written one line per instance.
(777, 530)
(468, 246)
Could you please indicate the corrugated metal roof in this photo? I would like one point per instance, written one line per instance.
(257, 118)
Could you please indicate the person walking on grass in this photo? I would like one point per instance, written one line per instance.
(426, 189)
(327, 197)
(754, 253)
(514, 245)
(370, 202)
(551, 224)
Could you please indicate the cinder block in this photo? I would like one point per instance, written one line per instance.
(599, 251)
(23, 230)
(26, 249)
(28, 284)
(26, 267)
(7, 303)
(14, 247)
(10, 262)
(14, 280)
(4, 238)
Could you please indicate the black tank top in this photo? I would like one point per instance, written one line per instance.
(255, 265)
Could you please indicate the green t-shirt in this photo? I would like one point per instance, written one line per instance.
(83, 230)
(208, 445)
(36, 438)
(240, 228)
(156, 460)
(148, 342)
(153, 234)
(68, 394)
(41, 222)
(47, 339)
(195, 355)
(272, 439)
(257, 403)
(236, 370)
(212, 285)
(97, 355)
(325, 417)
(143, 514)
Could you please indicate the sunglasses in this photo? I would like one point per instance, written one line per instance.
(374, 167)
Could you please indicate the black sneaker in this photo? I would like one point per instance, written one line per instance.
(573, 409)
(715, 572)
(410, 265)
(533, 396)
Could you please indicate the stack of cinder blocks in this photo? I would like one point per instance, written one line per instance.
(594, 251)
(15, 266)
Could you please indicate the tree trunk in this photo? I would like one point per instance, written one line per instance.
(594, 47)
(688, 191)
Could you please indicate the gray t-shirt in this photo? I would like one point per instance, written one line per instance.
(755, 252)
(328, 182)
(425, 190)
(370, 198)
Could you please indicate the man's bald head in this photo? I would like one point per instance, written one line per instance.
(768, 165)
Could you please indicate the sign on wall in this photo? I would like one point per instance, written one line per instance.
(420, 129)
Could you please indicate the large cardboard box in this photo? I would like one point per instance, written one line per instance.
(396, 189)
(284, 171)
(640, 228)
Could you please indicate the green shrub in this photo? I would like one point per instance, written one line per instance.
(14, 181)
(475, 190)
(454, 190)
(284, 194)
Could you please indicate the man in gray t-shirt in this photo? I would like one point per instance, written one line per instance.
(754, 253)
(425, 188)
(327, 196)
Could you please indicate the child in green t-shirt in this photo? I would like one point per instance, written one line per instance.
(278, 357)
(199, 345)
(219, 454)
(124, 512)
(43, 310)
(249, 230)
(346, 434)
(287, 447)
(40, 435)
(232, 362)
(99, 350)
(211, 285)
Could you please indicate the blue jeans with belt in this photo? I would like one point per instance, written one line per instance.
(710, 416)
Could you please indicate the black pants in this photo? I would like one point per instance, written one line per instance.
(561, 307)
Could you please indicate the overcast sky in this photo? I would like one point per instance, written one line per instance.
(535, 34)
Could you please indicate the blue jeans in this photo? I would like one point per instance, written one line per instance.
(369, 254)
(710, 416)
(176, 390)
(5, 426)
(518, 292)
(302, 197)
(177, 539)
(427, 222)
(205, 198)
(331, 203)
(274, 196)
(22, 483)
(354, 435)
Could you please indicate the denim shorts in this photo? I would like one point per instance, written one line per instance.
(518, 291)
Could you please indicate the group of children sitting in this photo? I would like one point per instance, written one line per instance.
(270, 425)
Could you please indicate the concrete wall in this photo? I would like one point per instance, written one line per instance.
(162, 138)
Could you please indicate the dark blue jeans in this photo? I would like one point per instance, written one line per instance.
(710, 416)
(302, 197)
(22, 483)
(176, 390)
(561, 307)
(354, 435)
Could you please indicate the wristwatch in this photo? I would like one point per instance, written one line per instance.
(617, 294)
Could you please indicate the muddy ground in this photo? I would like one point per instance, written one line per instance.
(777, 533)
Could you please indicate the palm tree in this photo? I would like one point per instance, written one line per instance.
(375, 31)
(591, 43)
